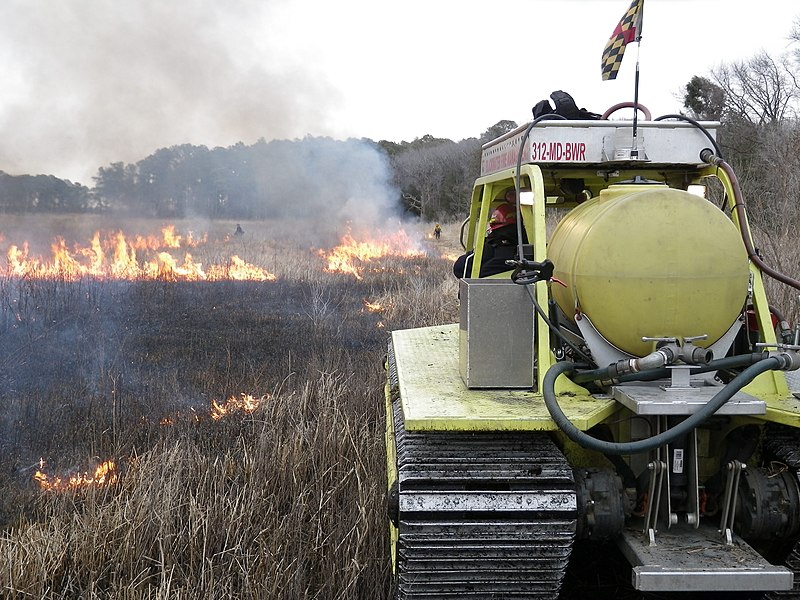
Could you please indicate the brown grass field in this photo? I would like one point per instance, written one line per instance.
(282, 501)
(275, 491)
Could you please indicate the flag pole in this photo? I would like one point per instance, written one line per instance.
(635, 148)
(638, 40)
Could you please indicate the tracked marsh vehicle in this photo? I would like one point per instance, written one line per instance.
(626, 379)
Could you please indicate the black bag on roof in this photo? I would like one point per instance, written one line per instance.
(564, 106)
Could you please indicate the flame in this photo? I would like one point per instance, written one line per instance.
(171, 239)
(104, 474)
(349, 256)
(164, 266)
(373, 306)
(241, 403)
(240, 271)
(114, 256)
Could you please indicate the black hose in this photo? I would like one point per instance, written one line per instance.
(531, 125)
(729, 362)
(777, 312)
(656, 441)
(520, 252)
(554, 328)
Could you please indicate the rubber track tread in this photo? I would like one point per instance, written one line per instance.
(483, 515)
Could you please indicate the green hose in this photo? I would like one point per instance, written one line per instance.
(665, 437)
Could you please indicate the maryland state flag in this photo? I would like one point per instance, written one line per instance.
(628, 29)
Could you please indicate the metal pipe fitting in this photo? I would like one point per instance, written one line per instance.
(695, 355)
(665, 355)
(789, 359)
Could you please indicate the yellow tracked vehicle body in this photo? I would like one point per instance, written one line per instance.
(618, 376)
(435, 398)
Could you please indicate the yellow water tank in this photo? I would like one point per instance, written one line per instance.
(647, 260)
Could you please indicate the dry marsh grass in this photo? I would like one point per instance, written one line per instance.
(782, 254)
(286, 501)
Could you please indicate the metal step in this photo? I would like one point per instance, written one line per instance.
(793, 381)
(698, 560)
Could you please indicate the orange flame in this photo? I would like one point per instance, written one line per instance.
(242, 403)
(240, 271)
(373, 306)
(104, 474)
(349, 256)
(113, 256)
(169, 239)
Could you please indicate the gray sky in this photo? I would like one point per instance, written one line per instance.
(90, 82)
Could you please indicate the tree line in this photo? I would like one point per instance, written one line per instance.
(429, 176)
(756, 101)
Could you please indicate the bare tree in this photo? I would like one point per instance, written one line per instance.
(773, 180)
(436, 179)
(761, 90)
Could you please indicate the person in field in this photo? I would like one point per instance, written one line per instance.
(437, 231)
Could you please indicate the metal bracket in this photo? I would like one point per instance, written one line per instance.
(657, 469)
(693, 505)
(603, 352)
(680, 378)
(735, 469)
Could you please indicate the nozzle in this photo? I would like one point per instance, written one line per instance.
(529, 271)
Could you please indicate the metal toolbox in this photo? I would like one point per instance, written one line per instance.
(496, 334)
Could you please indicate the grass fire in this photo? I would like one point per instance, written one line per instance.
(104, 474)
(207, 425)
(354, 256)
(113, 255)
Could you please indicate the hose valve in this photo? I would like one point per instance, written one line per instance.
(695, 355)
(529, 271)
(668, 350)
(787, 354)
(684, 350)
(707, 156)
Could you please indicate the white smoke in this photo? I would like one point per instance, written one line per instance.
(98, 82)
(325, 187)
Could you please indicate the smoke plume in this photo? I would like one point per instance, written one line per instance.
(93, 83)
